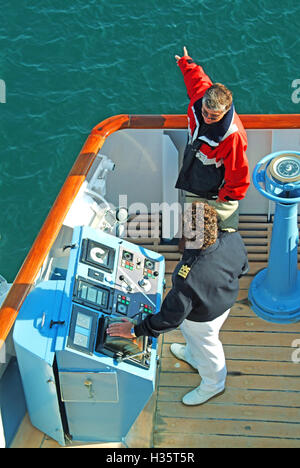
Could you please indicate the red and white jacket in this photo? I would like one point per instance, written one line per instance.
(223, 143)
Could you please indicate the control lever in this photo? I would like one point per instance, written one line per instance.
(129, 287)
(124, 358)
(145, 284)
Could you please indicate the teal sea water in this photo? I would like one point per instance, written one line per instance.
(68, 65)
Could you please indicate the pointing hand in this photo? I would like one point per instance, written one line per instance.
(185, 54)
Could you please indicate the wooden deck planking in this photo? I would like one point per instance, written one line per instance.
(261, 404)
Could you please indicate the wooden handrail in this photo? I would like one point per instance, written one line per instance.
(270, 121)
(50, 229)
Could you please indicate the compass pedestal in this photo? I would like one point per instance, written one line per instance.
(275, 291)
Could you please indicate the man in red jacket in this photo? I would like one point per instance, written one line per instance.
(215, 166)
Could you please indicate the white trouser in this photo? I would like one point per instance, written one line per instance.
(205, 352)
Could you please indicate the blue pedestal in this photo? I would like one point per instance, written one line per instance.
(275, 291)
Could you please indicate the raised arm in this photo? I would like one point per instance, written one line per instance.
(195, 79)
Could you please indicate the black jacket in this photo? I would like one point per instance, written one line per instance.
(196, 177)
(205, 283)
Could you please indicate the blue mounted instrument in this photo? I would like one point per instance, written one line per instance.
(79, 382)
(275, 291)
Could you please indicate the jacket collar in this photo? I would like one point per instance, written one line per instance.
(200, 252)
(214, 132)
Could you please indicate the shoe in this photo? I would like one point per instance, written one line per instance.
(178, 351)
(198, 396)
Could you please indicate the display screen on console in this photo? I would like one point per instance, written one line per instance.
(82, 332)
(97, 255)
(84, 320)
(91, 294)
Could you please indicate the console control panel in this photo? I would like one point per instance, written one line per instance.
(112, 278)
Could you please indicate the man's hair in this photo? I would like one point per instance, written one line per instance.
(218, 97)
(201, 224)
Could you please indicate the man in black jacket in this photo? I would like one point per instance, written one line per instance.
(205, 285)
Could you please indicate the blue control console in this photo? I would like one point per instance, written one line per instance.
(79, 382)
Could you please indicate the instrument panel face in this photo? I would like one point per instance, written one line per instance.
(83, 328)
(113, 278)
(97, 255)
(118, 279)
(91, 294)
(285, 168)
